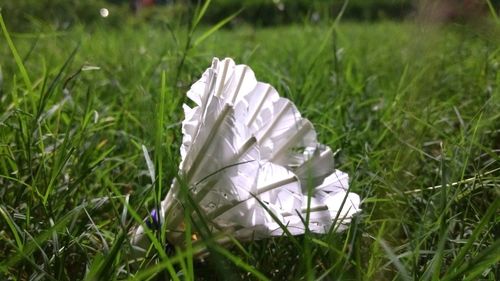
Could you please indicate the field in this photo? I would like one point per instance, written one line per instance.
(413, 110)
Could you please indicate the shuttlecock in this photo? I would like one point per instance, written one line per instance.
(252, 164)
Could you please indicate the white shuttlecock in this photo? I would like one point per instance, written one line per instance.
(246, 153)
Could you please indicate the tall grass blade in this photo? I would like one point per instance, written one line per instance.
(492, 10)
(13, 227)
(403, 272)
(199, 13)
(17, 58)
(214, 28)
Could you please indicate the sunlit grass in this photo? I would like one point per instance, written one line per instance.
(408, 106)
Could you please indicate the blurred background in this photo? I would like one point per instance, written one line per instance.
(21, 15)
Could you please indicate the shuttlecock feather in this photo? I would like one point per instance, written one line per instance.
(249, 159)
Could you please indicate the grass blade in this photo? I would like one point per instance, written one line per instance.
(214, 28)
(403, 272)
(17, 58)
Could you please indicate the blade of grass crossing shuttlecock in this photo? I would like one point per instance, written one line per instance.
(281, 225)
(200, 195)
(207, 142)
(149, 233)
(317, 167)
(335, 220)
(149, 164)
(293, 139)
(188, 267)
(236, 160)
(201, 94)
(201, 224)
(277, 184)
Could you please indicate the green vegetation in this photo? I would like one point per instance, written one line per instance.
(64, 13)
(413, 109)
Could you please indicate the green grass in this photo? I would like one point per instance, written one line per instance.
(408, 106)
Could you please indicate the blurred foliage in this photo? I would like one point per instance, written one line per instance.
(61, 14)
(22, 15)
(271, 12)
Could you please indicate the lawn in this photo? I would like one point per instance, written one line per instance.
(413, 110)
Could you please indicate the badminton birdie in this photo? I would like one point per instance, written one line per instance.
(252, 164)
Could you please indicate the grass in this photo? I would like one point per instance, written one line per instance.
(413, 109)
